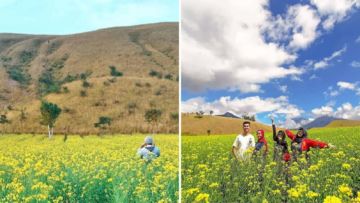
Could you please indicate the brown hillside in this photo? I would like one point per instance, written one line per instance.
(218, 125)
(28, 62)
(343, 123)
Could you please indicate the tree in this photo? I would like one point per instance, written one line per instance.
(23, 117)
(152, 116)
(199, 114)
(103, 123)
(3, 120)
(211, 112)
(49, 113)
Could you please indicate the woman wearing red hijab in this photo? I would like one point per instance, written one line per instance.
(261, 142)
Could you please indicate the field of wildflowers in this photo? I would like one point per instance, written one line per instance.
(211, 174)
(86, 169)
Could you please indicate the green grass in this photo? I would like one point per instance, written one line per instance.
(210, 173)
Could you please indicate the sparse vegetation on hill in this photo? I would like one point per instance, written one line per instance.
(199, 124)
(72, 72)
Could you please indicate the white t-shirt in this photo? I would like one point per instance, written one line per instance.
(242, 143)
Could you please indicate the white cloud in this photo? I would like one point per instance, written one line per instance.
(283, 88)
(345, 111)
(251, 105)
(222, 45)
(325, 62)
(346, 85)
(355, 64)
(241, 45)
(305, 22)
(333, 11)
(323, 111)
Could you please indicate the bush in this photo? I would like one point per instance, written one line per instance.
(131, 107)
(103, 122)
(26, 57)
(114, 72)
(66, 90)
(174, 116)
(154, 73)
(18, 74)
(83, 93)
(86, 84)
(153, 115)
(168, 76)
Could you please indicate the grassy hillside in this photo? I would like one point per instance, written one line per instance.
(343, 123)
(117, 72)
(218, 125)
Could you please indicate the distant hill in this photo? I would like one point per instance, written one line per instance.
(320, 122)
(343, 123)
(118, 72)
(228, 115)
(191, 125)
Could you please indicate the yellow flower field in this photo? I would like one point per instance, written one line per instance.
(86, 169)
(211, 174)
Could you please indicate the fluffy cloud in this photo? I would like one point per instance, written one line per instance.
(240, 45)
(346, 85)
(333, 11)
(355, 64)
(325, 62)
(323, 111)
(223, 46)
(251, 105)
(345, 111)
(305, 22)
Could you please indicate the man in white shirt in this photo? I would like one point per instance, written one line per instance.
(243, 142)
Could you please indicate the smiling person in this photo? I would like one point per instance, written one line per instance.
(261, 143)
(300, 142)
(243, 142)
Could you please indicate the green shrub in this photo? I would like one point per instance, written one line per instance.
(114, 72)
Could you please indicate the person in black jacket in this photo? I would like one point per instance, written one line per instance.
(281, 151)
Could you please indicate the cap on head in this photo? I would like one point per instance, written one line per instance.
(149, 140)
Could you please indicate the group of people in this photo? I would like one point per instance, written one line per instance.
(299, 143)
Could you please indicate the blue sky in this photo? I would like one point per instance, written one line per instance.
(74, 16)
(295, 60)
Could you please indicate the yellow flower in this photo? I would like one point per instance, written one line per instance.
(346, 166)
(312, 194)
(202, 197)
(332, 199)
(344, 189)
(293, 193)
(212, 185)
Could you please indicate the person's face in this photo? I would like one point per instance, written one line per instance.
(258, 134)
(246, 128)
(300, 133)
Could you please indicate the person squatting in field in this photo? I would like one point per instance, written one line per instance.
(261, 143)
(281, 151)
(300, 143)
(243, 142)
(148, 150)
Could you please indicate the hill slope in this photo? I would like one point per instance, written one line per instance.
(343, 123)
(78, 72)
(217, 124)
